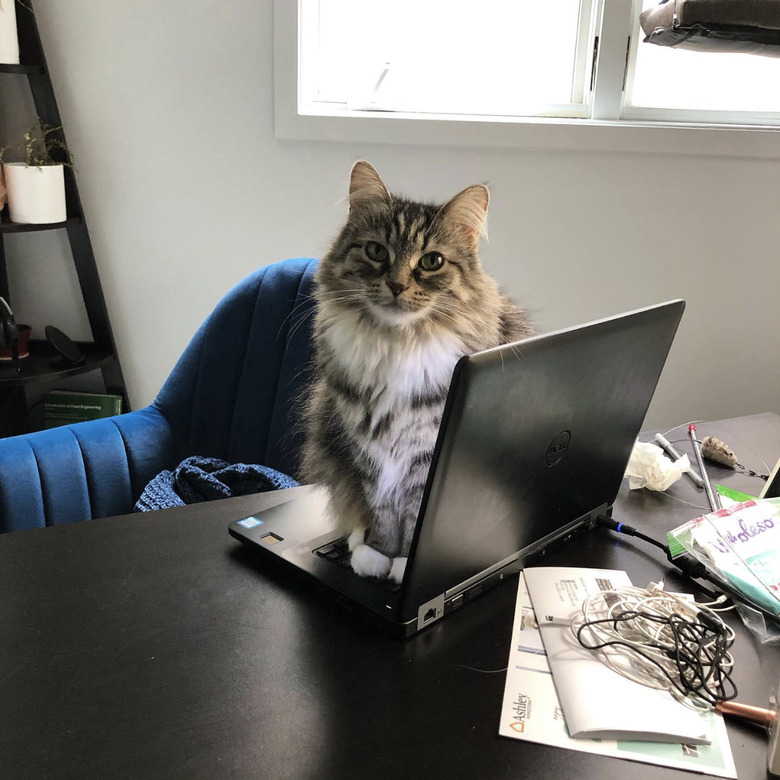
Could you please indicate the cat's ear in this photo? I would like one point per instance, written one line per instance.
(466, 213)
(365, 186)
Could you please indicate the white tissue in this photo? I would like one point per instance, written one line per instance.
(648, 467)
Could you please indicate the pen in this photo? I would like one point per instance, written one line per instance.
(674, 455)
(714, 504)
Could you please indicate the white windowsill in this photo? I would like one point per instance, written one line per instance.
(541, 134)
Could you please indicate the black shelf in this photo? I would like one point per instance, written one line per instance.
(39, 369)
(6, 226)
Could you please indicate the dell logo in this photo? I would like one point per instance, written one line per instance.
(557, 448)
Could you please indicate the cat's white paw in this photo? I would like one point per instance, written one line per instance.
(368, 562)
(397, 569)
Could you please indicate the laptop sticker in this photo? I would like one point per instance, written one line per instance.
(250, 522)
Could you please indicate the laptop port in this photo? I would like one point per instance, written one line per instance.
(430, 611)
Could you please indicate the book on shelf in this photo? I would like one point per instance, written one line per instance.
(63, 407)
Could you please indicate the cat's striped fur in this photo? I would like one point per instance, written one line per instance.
(401, 296)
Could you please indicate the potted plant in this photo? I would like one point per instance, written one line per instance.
(36, 184)
(9, 41)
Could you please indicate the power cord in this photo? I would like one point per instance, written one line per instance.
(622, 528)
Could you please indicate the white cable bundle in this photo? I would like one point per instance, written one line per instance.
(660, 640)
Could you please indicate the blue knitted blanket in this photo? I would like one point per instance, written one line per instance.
(206, 479)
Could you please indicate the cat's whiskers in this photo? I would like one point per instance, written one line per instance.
(297, 323)
(340, 296)
(443, 313)
(338, 291)
(347, 297)
(308, 312)
(307, 299)
(470, 326)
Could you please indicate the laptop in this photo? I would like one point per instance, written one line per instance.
(532, 448)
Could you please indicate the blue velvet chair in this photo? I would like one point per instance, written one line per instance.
(234, 394)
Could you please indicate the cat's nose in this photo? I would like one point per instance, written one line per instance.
(396, 287)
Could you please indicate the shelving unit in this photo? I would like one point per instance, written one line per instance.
(101, 353)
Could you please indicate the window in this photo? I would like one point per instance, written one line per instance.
(667, 83)
(562, 73)
(490, 57)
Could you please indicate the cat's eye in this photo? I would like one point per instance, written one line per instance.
(376, 252)
(432, 261)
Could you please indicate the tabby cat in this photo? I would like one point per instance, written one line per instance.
(401, 295)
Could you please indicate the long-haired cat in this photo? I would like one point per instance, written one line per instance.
(401, 295)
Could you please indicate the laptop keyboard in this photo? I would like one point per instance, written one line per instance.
(338, 553)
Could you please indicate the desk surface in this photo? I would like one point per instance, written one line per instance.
(155, 646)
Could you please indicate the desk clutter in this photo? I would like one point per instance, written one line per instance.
(736, 546)
(558, 693)
(647, 467)
(597, 665)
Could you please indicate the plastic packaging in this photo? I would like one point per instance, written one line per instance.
(741, 544)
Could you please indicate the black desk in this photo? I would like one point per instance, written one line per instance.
(154, 646)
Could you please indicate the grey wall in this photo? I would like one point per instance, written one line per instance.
(168, 107)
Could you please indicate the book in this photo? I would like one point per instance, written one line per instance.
(63, 407)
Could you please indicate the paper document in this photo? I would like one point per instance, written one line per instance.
(531, 710)
(597, 701)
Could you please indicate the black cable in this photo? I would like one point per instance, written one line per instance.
(700, 670)
(689, 566)
(622, 528)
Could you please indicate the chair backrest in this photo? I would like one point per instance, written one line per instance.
(236, 393)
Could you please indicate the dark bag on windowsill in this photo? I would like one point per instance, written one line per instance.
(738, 26)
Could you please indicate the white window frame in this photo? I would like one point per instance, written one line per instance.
(605, 131)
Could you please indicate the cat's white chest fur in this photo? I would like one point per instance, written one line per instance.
(392, 368)
(394, 365)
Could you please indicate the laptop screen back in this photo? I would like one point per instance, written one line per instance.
(535, 435)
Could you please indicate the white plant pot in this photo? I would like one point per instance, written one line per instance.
(9, 41)
(35, 195)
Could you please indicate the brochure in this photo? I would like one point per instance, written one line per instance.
(598, 702)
